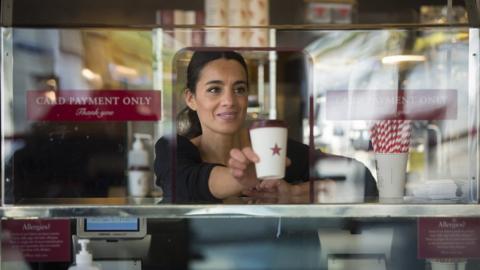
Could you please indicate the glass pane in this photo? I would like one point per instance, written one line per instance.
(398, 101)
(77, 100)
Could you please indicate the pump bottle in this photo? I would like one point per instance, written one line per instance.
(83, 259)
(139, 174)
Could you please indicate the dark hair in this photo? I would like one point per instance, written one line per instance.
(188, 123)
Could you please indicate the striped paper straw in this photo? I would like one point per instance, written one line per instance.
(391, 136)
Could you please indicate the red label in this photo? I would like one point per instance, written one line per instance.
(94, 105)
(36, 240)
(448, 238)
(391, 104)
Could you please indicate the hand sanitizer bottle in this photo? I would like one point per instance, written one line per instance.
(139, 174)
(83, 259)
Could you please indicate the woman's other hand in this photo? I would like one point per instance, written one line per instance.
(277, 191)
(273, 189)
(278, 187)
(280, 191)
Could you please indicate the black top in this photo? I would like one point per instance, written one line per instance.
(192, 174)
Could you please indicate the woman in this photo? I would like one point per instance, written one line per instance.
(213, 154)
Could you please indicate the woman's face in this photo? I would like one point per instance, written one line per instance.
(221, 96)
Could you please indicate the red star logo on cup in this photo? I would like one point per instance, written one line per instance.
(276, 150)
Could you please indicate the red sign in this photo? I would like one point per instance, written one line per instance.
(448, 238)
(94, 105)
(391, 105)
(36, 240)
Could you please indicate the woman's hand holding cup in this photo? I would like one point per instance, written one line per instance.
(241, 165)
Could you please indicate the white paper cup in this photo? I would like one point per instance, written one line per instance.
(139, 183)
(391, 174)
(269, 142)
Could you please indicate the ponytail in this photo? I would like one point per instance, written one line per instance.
(188, 124)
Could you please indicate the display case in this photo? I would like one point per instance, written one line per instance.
(389, 113)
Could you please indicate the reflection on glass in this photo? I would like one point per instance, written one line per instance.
(367, 72)
(364, 65)
(55, 153)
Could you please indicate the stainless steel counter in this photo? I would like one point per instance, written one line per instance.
(222, 210)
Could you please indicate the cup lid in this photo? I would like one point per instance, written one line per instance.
(268, 123)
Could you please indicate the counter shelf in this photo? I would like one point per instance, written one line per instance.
(169, 211)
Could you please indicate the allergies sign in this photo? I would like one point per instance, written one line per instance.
(94, 105)
(448, 238)
(40, 240)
